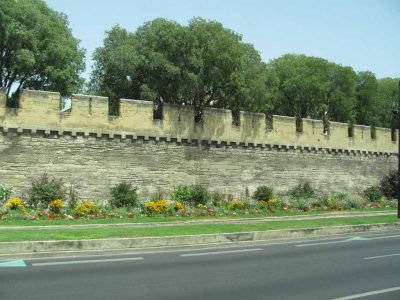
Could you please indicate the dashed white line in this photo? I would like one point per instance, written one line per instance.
(355, 296)
(220, 252)
(322, 243)
(382, 256)
(91, 261)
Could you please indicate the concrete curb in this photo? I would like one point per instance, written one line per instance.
(29, 247)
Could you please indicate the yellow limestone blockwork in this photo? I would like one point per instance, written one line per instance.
(178, 121)
(89, 114)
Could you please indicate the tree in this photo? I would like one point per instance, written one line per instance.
(340, 98)
(37, 49)
(366, 95)
(313, 87)
(302, 85)
(386, 95)
(202, 64)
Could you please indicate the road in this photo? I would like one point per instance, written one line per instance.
(346, 267)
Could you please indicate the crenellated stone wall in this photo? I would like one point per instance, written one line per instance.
(94, 151)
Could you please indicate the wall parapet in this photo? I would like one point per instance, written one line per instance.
(39, 111)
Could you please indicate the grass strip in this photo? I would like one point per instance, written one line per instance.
(159, 219)
(102, 233)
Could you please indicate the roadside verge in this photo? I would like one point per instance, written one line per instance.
(30, 247)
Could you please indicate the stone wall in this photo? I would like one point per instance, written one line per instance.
(94, 151)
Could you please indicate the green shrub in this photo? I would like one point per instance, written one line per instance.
(372, 194)
(302, 204)
(45, 189)
(73, 197)
(264, 193)
(304, 190)
(198, 195)
(181, 193)
(192, 195)
(124, 195)
(6, 192)
(390, 184)
(218, 199)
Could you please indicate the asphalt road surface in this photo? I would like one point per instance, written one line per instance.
(343, 267)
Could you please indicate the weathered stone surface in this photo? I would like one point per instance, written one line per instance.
(95, 164)
(94, 151)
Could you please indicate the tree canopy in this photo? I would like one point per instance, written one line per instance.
(37, 49)
(201, 64)
(313, 87)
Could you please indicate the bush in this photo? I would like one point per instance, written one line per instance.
(193, 195)
(237, 205)
(302, 204)
(84, 209)
(271, 204)
(56, 205)
(264, 193)
(181, 193)
(46, 189)
(14, 203)
(198, 195)
(390, 184)
(6, 192)
(158, 207)
(124, 195)
(302, 191)
(178, 205)
(372, 194)
(73, 197)
(218, 199)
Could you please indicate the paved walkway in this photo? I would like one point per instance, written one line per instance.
(329, 215)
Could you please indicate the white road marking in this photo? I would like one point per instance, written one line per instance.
(397, 288)
(221, 252)
(383, 256)
(91, 261)
(322, 243)
(349, 240)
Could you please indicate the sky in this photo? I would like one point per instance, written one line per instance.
(363, 34)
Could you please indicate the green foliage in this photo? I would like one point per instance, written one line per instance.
(6, 192)
(37, 49)
(303, 190)
(218, 199)
(73, 197)
(201, 64)
(193, 195)
(198, 195)
(84, 209)
(181, 193)
(366, 95)
(45, 189)
(264, 193)
(312, 86)
(372, 194)
(124, 195)
(390, 184)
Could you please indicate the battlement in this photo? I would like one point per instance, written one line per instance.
(39, 110)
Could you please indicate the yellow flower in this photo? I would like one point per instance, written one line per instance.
(237, 204)
(84, 209)
(178, 205)
(156, 207)
(14, 203)
(56, 205)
